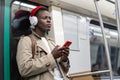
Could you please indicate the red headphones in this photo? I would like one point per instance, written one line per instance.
(33, 19)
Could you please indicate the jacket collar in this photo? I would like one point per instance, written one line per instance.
(36, 35)
(41, 44)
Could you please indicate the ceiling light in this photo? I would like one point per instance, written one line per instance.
(24, 4)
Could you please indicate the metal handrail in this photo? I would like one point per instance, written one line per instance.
(105, 40)
(88, 73)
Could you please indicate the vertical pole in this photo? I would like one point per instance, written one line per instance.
(117, 11)
(7, 40)
(104, 37)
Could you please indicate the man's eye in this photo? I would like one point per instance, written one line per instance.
(43, 17)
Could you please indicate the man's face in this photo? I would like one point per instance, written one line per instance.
(44, 21)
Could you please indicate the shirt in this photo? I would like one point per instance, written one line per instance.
(57, 75)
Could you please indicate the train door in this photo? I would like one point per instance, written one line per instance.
(1, 39)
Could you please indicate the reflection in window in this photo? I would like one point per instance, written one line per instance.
(100, 58)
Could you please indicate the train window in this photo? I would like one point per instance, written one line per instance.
(97, 49)
(17, 5)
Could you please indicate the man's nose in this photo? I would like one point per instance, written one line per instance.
(48, 20)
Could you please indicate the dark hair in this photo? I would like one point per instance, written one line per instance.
(21, 23)
(42, 9)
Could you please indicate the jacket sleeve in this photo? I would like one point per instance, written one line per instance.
(29, 66)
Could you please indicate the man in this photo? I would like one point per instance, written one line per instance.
(49, 62)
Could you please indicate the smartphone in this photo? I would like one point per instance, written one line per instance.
(67, 43)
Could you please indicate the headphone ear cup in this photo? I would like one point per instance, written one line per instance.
(33, 20)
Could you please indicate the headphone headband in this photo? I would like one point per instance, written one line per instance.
(34, 11)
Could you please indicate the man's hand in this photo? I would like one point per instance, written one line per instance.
(65, 54)
(60, 51)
